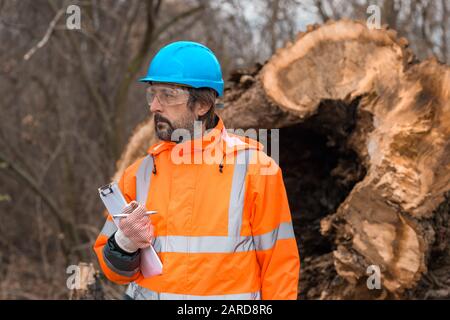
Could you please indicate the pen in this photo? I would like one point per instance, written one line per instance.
(122, 215)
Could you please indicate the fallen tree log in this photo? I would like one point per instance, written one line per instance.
(365, 153)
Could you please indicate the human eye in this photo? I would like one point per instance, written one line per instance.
(170, 93)
(151, 91)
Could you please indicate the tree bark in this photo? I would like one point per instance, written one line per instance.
(385, 118)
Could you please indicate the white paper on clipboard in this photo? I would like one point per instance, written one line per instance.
(114, 202)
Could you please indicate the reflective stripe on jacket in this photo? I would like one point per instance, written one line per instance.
(223, 228)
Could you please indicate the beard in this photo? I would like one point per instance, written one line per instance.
(165, 129)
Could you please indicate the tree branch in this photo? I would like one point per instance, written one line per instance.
(46, 37)
(64, 224)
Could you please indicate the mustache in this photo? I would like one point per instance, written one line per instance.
(160, 118)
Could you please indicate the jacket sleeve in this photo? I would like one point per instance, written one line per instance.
(117, 265)
(272, 230)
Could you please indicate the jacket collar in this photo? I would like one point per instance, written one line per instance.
(230, 143)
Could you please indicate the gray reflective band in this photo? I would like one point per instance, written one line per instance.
(267, 240)
(109, 228)
(140, 293)
(204, 244)
(218, 244)
(143, 179)
(236, 204)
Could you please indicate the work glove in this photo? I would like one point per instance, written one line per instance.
(136, 230)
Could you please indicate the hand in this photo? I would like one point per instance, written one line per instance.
(135, 230)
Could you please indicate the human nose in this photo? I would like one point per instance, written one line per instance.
(155, 106)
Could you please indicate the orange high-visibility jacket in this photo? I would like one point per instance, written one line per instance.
(223, 228)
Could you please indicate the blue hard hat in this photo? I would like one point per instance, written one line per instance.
(187, 63)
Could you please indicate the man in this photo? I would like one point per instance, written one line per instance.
(223, 227)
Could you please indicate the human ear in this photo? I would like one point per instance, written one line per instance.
(201, 109)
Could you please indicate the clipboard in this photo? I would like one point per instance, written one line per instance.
(114, 202)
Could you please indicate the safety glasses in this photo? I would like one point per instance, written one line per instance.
(167, 95)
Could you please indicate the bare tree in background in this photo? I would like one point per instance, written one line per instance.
(70, 101)
(425, 23)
